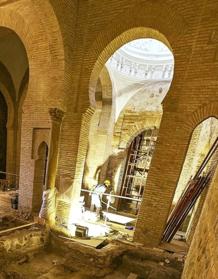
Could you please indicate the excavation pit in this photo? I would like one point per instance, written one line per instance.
(35, 253)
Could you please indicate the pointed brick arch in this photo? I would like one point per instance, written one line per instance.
(142, 21)
(7, 80)
(106, 107)
(10, 155)
(125, 131)
(33, 21)
(39, 175)
(123, 38)
(24, 21)
(106, 85)
(199, 115)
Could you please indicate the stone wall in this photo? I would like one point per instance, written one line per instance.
(23, 241)
(96, 263)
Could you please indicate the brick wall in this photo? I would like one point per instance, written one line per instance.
(202, 258)
(43, 55)
(132, 123)
(68, 43)
(202, 139)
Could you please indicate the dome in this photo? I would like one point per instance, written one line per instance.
(146, 49)
(143, 59)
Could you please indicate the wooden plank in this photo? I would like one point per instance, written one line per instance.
(18, 228)
(88, 242)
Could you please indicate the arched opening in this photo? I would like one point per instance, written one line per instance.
(197, 172)
(14, 64)
(39, 176)
(141, 72)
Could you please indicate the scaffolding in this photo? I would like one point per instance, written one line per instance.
(136, 169)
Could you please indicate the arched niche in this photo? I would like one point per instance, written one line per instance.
(39, 176)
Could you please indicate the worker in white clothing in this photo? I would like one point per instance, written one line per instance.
(96, 196)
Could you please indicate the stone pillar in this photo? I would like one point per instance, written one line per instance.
(56, 120)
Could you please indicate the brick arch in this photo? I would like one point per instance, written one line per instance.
(189, 126)
(122, 137)
(7, 80)
(141, 21)
(102, 89)
(24, 21)
(194, 119)
(137, 131)
(39, 175)
(106, 85)
(23, 89)
(199, 115)
(40, 147)
(33, 21)
(21, 97)
(10, 104)
(125, 37)
(107, 110)
(11, 132)
(9, 93)
(38, 141)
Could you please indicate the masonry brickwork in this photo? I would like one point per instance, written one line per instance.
(202, 257)
(67, 44)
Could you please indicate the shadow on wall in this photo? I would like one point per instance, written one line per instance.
(3, 135)
(109, 169)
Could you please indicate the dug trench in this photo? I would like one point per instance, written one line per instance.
(35, 252)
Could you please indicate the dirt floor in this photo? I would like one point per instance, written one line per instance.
(71, 260)
(9, 221)
(49, 265)
(41, 265)
(9, 217)
(64, 259)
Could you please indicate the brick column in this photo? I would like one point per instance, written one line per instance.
(162, 180)
(10, 155)
(56, 120)
(80, 162)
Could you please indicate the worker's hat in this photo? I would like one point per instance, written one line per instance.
(107, 182)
